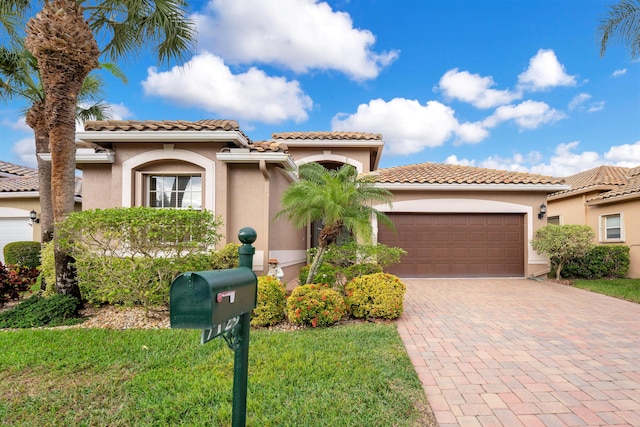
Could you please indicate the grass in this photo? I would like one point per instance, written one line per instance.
(628, 289)
(352, 375)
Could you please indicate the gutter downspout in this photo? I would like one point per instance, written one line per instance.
(267, 232)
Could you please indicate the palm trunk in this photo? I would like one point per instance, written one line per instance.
(316, 263)
(60, 38)
(35, 118)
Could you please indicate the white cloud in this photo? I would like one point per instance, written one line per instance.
(580, 103)
(595, 106)
(25, 151)
(618, 73)
(474, 89)
(545, 72)
(300, 35)
(564, 162)
(471, 132)
(579, 100)
(527, 115)
(206, 82)
(407, 126)
(119, 111)
(627, 155)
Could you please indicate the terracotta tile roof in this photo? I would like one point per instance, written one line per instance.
(269, 146)
(13, 185)
(11, 169)
(438, 173)
(629, 190)
(602, 175)
(328, 136)
(156, 125)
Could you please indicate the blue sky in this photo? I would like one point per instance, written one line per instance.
(515, 85)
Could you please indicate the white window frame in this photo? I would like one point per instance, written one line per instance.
(602, 221)
(146, 187)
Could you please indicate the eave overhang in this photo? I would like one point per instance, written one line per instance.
(99, 137)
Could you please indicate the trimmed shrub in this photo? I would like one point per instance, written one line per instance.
(327, 275)
(38, 311)
(271, 303)
(22, 253)
(315, 305)
(611, 261)
(351, 252)
(357, 270)
(375, 296)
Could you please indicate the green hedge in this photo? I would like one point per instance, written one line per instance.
(611, 261)
(22, 253)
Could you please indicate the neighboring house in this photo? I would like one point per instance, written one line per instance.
(19, 195)
(607, 199)
(455, 221)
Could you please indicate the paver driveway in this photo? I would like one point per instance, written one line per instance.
(518, 352)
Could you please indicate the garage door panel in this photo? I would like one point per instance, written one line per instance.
(457, 245)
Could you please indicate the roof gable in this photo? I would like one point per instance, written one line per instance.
(612, 183)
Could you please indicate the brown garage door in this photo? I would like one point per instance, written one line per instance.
(457, 245)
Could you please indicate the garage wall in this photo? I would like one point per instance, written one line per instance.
(508, 202)
(14, 227)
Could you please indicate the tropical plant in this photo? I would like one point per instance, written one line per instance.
(62, 37)
(20, 77)
(562, 243)
(622, 23)
(340, 199)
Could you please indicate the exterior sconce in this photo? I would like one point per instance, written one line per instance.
(33, 218)
(543, 210)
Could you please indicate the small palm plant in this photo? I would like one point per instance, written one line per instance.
(340, 199)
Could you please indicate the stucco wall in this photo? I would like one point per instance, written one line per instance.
(574, 210)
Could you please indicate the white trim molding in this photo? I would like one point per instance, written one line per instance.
(328, 156)
(183, 155)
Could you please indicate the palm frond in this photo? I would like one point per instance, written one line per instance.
(622, 23)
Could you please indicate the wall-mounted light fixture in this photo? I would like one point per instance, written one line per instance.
(543, 210)
(33, 217)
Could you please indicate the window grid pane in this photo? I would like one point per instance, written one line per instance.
(175, 191)
(612, 225)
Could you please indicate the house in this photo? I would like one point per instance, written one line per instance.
(454, 221)
(19, 196)
(606, 198)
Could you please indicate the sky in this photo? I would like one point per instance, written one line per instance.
(506, 84)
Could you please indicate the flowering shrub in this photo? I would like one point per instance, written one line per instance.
(357, 270)
(375, 296)
(315, 305)
(15, 280)
(271, 302)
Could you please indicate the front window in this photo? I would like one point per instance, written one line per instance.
(612, 228)
(174, 191)
(555, 220)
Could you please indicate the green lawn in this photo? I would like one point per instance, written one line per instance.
(628, 289)
(353, 375)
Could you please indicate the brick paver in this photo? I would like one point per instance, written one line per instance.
(511, 352)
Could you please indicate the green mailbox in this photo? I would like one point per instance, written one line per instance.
(211, 300)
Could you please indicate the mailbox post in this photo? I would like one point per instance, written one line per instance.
(220, 304)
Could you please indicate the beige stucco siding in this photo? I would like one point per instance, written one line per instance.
(359, 158)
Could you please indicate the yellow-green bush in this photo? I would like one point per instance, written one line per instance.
(375, 296)
(271, 302)
(315, 305)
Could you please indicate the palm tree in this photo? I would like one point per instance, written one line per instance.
(340, 199)
(62, 37)
(19, 77)
(622, 23)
